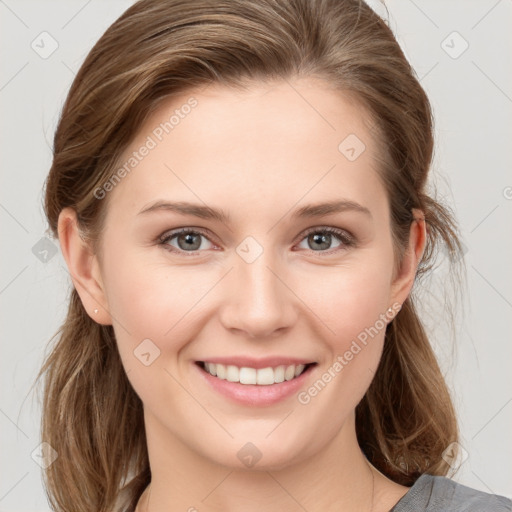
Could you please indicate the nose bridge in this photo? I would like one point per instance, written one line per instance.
(259, 301)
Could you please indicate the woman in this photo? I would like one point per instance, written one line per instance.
(239, 191)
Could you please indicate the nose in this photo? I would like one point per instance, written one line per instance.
(259, 302)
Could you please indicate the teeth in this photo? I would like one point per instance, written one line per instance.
(262, 376)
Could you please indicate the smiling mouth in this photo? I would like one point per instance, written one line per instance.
(252, 376)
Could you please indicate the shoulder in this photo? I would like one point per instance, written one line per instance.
(440, 494)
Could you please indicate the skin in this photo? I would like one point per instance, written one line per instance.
(258, 154)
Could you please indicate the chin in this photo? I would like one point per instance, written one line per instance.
(260, 454)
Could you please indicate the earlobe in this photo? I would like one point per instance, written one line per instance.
(404, 280)
(83, 267)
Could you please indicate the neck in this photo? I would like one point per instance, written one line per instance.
(336, 477)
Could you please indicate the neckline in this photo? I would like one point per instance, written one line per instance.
(397, 507)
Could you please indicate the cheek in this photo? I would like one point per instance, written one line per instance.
(156, 314)
(350, 298)
(351, 302)
(153, 302)
(353, 306)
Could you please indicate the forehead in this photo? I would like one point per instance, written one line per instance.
(269, 142)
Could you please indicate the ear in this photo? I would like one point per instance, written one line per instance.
(83, 267)
(404, 280)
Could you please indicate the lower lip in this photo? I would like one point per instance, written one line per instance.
(256, 395)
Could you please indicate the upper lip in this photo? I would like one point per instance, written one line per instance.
(249, 362)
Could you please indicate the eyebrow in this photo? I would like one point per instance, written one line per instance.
(206, 212)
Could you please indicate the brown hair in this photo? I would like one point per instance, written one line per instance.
(156, 49)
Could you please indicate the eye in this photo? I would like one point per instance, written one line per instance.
(319, 239)
(187, 240)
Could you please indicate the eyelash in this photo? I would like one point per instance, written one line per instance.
(344, 237)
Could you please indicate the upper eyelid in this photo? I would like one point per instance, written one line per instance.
(174, 232)
(327, 228)
(205, 232)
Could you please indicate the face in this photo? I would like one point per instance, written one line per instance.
(269, 279)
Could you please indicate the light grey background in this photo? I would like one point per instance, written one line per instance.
(471, 93)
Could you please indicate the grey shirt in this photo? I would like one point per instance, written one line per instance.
(440, 494)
